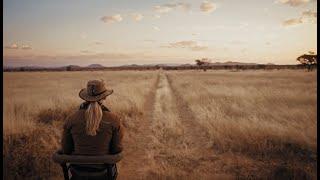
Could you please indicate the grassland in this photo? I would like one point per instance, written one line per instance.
(179, 124)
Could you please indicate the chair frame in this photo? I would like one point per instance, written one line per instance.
(108, 160)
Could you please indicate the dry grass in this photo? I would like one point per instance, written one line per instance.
(256, 116)
(179, 124)
(39, 102)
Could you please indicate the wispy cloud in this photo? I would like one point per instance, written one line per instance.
(26, 47)
(165, 8)
(309, 13)
(290, 22)
(293, 3)
(310, 16)
(112, 19)
(137, 16)
(207, 6)
(306, 16)
(12, 46)
(16, 46)
(192, 45)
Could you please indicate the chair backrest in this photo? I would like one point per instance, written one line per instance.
(60, 158)
(63, 159)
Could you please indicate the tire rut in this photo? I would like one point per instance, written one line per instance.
(182, 145)
(170, 144)
(137, 160)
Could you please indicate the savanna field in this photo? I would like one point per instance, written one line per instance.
(178, 124)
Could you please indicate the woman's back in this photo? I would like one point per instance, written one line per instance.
(106, 141)
(93, 129)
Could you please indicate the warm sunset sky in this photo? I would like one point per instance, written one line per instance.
(117, 32)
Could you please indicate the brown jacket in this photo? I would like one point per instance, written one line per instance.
(107, 141)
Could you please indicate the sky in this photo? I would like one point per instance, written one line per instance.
(119, 32)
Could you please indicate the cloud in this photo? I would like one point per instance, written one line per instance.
(112, 19)
(26, 47)
(15, 46)
(309, 13)
(12, 46)
(207, 6)
(293, 3)
(310, 16)
(306, 16)
(137, 16)
(156, 28)
(311, 52)
(291, 22)
(192, 45)
(183, 6)
(165, 8)
(161, 9)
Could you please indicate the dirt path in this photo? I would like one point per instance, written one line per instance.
(137, 161)
(170, 143)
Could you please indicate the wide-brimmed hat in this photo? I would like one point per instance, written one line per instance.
(95, 91)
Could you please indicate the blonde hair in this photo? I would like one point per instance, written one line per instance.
(93, 116)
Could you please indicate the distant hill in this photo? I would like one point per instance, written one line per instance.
(232, 63)
(72, 66)
(95, 66)
(166, 66)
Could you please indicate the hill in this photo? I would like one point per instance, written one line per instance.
(95, 66)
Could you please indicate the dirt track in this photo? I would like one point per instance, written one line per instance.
(169, 143)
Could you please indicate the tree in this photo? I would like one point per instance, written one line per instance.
(308, 60)
(69, 68)
(202, 63)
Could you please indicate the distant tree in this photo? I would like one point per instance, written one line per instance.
(68, 68)
(308, 60)
(202, 63)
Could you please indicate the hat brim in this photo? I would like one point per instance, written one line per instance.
(83, 95)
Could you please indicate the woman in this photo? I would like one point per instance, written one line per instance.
(93, 129)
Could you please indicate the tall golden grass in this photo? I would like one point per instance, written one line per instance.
(267, 119)
(179, 124)
(36, 104)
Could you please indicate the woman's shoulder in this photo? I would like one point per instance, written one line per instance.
(111, 118)
(72, 118)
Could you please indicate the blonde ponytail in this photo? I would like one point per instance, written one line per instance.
(93, 116)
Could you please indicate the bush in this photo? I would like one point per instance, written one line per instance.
(28, 155)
